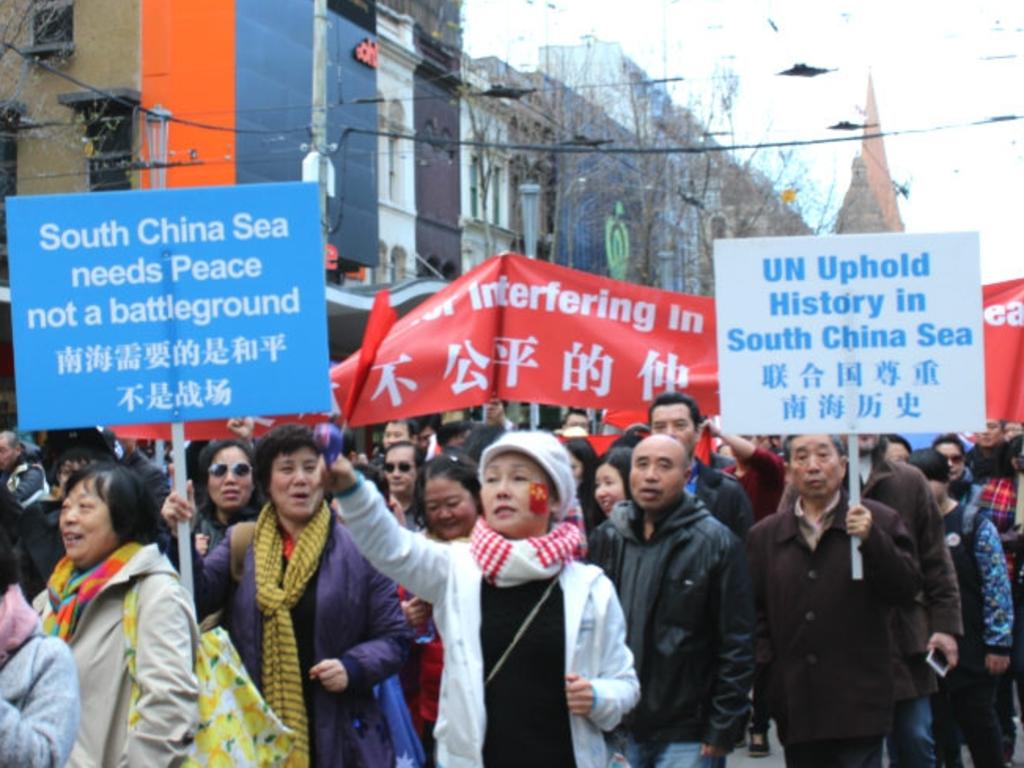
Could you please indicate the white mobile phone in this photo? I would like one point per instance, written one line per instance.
(937, 660)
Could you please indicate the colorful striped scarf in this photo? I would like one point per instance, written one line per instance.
(70, 590)
(999, 498)
(506, 563)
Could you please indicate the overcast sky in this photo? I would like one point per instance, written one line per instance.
(934, 64)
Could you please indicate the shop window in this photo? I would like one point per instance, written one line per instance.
(109, 138)
(398, 265)
(474, 186)
(496, 196)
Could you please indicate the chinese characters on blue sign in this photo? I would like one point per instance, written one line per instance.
(170, 305)
(852, 333)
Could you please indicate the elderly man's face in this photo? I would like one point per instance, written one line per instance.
(8, 455)
(659, 473)
(815, 467)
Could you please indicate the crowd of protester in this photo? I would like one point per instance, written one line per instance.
(657, 594)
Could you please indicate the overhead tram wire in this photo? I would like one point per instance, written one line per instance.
(551, 148)
(570, 149)
(555, 86)
(575, 149)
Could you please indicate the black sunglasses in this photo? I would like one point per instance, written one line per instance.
(402, 466)
(241, 469)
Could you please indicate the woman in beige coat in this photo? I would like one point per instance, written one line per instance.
(106, 523)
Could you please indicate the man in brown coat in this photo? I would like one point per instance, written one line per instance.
(823, 636)
(934, 618)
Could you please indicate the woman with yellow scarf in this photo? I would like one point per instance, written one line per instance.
(316, 626)
(107, 522)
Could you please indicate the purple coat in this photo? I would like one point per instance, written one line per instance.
(358, 620)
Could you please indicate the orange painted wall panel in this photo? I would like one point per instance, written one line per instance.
(188, 67)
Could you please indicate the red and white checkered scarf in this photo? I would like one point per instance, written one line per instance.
(507, 562)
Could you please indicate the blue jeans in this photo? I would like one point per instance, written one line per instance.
(911, 744)
(678, 754)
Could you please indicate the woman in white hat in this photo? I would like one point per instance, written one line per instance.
(536, 664)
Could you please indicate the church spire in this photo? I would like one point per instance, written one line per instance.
(870, 203)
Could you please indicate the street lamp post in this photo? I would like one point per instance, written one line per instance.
(529, 203)
(665, 263)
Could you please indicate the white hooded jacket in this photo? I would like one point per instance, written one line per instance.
(447, 576)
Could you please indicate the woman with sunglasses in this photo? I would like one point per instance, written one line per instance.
(536, 664)
(230, 494)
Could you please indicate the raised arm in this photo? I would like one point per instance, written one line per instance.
(412, 560)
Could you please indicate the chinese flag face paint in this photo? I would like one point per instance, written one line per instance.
(539, 498)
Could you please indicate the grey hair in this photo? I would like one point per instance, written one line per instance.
(837, 441)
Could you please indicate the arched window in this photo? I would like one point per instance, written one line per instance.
(396, 125)
(398, 265)
(382, 270)
(383, 173)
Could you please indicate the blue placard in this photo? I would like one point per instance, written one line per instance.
(168, 305)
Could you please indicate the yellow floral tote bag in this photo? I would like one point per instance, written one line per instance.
(236, 726)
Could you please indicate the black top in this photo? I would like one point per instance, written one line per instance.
(971, 667)
(527, 712)
(303, 622)
(208, 524)
(689, 617)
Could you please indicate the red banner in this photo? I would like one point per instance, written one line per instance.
(1004, 350)
(532, 331)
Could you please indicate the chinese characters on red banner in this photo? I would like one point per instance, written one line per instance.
(531, 331)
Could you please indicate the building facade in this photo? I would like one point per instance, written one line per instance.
(396, 156)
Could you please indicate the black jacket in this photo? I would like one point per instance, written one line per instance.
(690, 621)
(725, 498)
(151, 475)
(40, 544)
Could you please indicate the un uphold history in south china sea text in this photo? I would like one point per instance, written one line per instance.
(848, 332)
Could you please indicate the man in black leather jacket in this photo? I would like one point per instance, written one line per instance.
(683, 583)
(678, 415)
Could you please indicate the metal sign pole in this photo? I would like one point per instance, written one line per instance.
(853, 473)
(181, 488)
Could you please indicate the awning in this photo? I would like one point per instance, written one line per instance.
(349, 306)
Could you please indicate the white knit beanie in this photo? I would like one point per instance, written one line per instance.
(543, 448)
